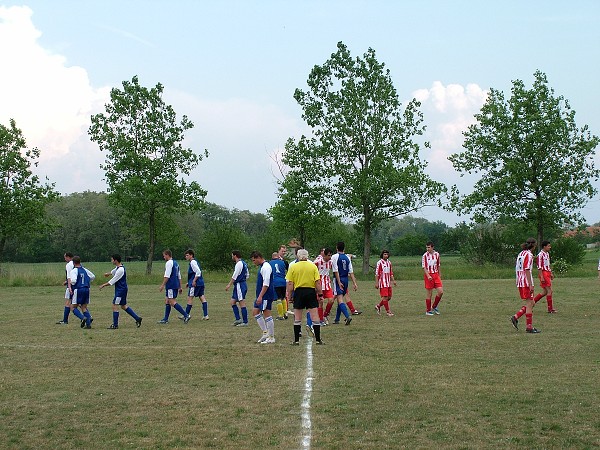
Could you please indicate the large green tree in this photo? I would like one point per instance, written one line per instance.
(536, 165)
(145, 160)
(22, 195)
(362, 154)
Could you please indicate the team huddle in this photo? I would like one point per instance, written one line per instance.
(302, 284)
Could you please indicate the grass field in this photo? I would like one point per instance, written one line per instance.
(464, 379)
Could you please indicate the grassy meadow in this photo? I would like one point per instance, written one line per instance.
(464, 379)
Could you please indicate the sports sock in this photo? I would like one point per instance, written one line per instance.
(285, 305)
(549, 301)
(116, 318)
(436, 301)
(344, 310)
(297, 327)
(66, 313)
(428, 304)
(328, 308)
(386, 305)
(537, 298)
(132, 313)
(180, 309)
(280, 311)
(236, 311)
(204, 308)
(245, 314)
(317, 330)
(309, 321)
(270, 323)
(88, 317)
(350, 305)
(167, 312)
(260, 320)
(338, 313)
(320, 310)
(188, 308)
(520, 313)
(529, 319)
(78, 314)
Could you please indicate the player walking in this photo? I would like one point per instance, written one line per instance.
(525, 285)
(384, 276)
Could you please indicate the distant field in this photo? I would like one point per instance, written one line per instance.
(464, 379)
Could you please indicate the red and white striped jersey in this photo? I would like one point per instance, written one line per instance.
(384, 273)
(431, 262)
(324, 268)
(543, 261)
(524, 262)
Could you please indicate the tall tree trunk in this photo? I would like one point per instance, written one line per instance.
(366, 247)
(152, 238)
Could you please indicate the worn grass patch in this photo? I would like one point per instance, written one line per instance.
(464, 379)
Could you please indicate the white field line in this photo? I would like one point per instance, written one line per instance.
(306, 423)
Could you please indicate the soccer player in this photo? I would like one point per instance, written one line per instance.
(265, 294)
(430, 262)
(240, 288)
(282, 255)
(545, 275)
(304, 282)
(79, 282)
(525, 285)
(172, 286)
(195, 285)
(279, 271)
(119, 281)
(342, 270)
(68, 256)
(323, 263)
(384, 276)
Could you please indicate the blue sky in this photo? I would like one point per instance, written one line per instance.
(232, 67)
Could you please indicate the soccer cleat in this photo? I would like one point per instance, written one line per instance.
(320, 342)
(323, 323)
(82, 323)
(295, 343)
(285, 317)
(532, 330)
(113, 327)
(552, 311)
(88, 327)
(163, 322)
(515, 322)
(181, 317)
(243, 324)
(263, 338)
(269, 340)
(378, 309)
(429, 313)
(390, 314)
(138, 323)
(356, 312)
(205, 318)
(310, 330)
(62, 322)
(281, 318)
(436, 311)
(187, 319)
(348, 320)
(237, 322)
(336, 322)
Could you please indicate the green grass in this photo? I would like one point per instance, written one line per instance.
(464, 379)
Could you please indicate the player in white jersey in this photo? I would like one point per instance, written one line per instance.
(545, 275)
(67, 309)
(384, 277)
(525, 285)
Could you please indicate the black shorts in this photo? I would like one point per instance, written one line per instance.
(280, 291)
(305, 298)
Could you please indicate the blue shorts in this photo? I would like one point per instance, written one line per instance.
(265, 305)
(239, 291)
(81, 296)
(171, 293)
(197, 291)
(337, 290)
(120, 298)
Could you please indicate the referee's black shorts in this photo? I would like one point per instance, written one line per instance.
(305, 298)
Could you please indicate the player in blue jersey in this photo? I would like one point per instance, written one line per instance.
(279, 271)
(172, 286)
(119, 281)
(195, 285)
(342, 269)
(67, 309)
(265, 294)
(79, 282)
(240, 289)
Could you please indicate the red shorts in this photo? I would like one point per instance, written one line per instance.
(526, 293)
(385, 292)
(435, 282)
(546, 279)
(327, 293)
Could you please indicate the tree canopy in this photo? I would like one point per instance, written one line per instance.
(145, 159)
(536, 165)
(22, 196)
(362, 161)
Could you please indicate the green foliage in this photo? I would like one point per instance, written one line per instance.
(409, 245)
(567, 249)
(536, 166)
(560, 266)
(145, 160)
(390, 230)
(22, 195)
(489, 244)
(362, 153)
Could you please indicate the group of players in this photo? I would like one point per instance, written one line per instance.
(277, 283)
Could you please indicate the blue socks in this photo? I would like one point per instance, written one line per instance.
(236, 311)
(66, 313)
(204, 308)
(245, 314)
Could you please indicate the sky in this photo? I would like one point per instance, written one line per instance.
(232, 68)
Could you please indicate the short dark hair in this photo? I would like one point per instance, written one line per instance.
(76, 260)
(68, 254)
(116, 257)
(529, 244)
(189, 251)
(429, 244)
(544, 243)
(341, 246)
(237, 253)
(327, 251)
(256, 254)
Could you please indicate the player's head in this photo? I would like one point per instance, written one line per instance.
(302, 255)
(236, 254)
(386, 253)
(529, 244)
(545, 245)
(167, 254)
(189, 252)
(68, 256)
(76, 260)
(275, 255)
(116, 257)
(257, 257)
(340, 246)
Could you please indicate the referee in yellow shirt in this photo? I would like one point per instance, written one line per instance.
(304, 285)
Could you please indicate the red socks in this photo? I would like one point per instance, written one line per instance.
(436, 301)
(428, 304)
